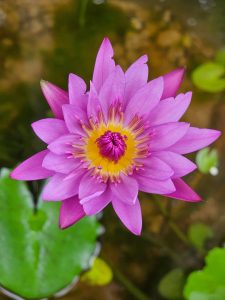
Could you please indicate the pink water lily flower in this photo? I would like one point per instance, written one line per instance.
(107, 143)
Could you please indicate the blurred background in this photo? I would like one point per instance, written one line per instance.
(48, 39)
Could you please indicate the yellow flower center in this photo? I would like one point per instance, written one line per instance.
(104, 166)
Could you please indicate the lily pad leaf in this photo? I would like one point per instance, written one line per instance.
(209, 77)
(210, 281)
(38, 259)
(207, 161)
(99, 274)
(220, 57)
(171, 285)
(198, 234)
(219, 294)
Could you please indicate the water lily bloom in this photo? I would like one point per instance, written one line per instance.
(121, 136)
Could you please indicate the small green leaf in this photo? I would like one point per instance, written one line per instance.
(209, 283)
(37, 259)
(220, 57)
(209, 77)
(171, 285)
(99, 274)
(198, 234)
(207, 161)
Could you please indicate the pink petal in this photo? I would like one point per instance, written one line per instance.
(126, 190)
(145, 99)
(60, 163)
(136, 77)
(64, 144)
(31, 169)
(172, 82)
(61, 187)
(180, 164)
(49, 129)
(104, 64)
(112, 90)
(93, 106)
(183, 192)
(97, 204)
(90, 188)
(170, 110)
(148, 185)
(155, 168)
(195, 139)
(70, 212)
(130, 215)
(74, 117)
(165, 135)
(55, 96)
(77, 89)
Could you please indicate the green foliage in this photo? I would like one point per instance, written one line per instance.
(99, 274)
(209, 77)
(220, 57)
(171, 285)
(219, 294)
(198, 234)
(207, 161)
(38, 259)
(209, 283)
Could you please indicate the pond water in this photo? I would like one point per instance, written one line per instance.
(49, 39)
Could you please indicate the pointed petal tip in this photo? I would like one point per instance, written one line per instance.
(184, 192)
(70, 212)
(218, 133)
(43, 83)
(106, 40)
(12, 175)
(181, 71)
(136, 231)
(31, 168)
(172, 82)
(215, 134)
(145, 57)
(189, 94)
(64, 225)
(106, 43)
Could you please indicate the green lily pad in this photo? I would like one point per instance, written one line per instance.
(37, 259)
(219, 294)
(207, 161)
(209, 77)
(198, 234)
(220, 57)
(210, 281)
(171, 285)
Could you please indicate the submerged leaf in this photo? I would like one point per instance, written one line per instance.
(171, 285)
(99, 274)
(38, 259)
(207, 160)
(220, 57)
(209, 77)
(198, 234)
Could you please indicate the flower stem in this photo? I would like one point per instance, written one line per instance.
(82, 12)
(134, 290)
(178, 232)
(157, 242)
